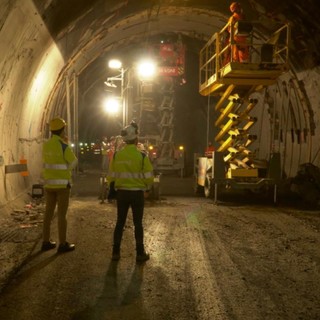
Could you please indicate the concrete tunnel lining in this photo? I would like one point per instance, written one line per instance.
(24, 91)
(26, 106)
(33, 99)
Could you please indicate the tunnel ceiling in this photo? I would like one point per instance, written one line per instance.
(88, 33)
(79, 26)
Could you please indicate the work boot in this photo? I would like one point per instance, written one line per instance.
(142, 255)
(115, 253)
(66, 247)
(48, 245)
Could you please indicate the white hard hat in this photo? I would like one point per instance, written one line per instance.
(129, 133)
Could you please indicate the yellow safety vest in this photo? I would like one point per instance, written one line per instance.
(58, 162)
(104, 148)
(130, 169)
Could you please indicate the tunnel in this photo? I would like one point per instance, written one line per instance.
(54, 63)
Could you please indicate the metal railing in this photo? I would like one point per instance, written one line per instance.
(217, 52)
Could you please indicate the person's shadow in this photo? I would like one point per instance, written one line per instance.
(30, 268)
(110, 304)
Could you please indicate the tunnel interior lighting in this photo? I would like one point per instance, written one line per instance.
(115, 64)
(146, 69)
(111, 105)
(109, 83)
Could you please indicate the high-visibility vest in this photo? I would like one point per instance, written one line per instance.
(104, 148)
(58, 162)
(130, 169)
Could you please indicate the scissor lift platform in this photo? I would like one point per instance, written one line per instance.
(234, 82)
(243, 75)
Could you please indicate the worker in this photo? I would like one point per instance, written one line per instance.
(209, 150)
(104, 153)
(58, 162)
(239, 50)
(111, 148)
(116, 143)
(142, 148)
(132, 174)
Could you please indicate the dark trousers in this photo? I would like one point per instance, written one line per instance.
(125, 200)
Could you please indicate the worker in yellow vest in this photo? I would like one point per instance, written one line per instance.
(132, 174)
(58, 162)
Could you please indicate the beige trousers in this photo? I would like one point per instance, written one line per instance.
(60, 198)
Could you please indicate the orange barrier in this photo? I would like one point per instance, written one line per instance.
(24, 173)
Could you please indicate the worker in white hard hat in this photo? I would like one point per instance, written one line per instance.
(132, 174)
(58, 162)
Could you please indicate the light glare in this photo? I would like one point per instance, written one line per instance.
(146, 69)
(115, 64)
(111, 105)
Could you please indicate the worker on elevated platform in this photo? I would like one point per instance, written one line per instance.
(239, 50)
(209, 150)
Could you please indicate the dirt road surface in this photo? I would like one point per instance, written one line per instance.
(226, 261)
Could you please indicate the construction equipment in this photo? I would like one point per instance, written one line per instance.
(155, 106)
(233, 164)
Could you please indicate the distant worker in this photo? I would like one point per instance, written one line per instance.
(209, 150)
(104, 154)
(58, 162)
(132, 174)
(118, 143)
(142, 148)
(111, 150)
(240, 49)
(115, 145)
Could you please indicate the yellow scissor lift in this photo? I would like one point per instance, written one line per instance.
(233, 163)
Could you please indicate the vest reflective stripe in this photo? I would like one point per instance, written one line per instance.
(148, 174)
(130, 170)
(127, 175)
(55, 166)
(57, 158)
(132, 189)
(57, 181)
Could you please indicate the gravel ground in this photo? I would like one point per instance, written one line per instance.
(235, 260)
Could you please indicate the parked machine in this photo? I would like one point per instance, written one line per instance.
(233, 164)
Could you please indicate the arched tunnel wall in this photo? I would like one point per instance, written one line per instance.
(30, 63)
(39, 69)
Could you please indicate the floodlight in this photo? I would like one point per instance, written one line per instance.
(115, 64)
(111, 105)
(146, 69)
